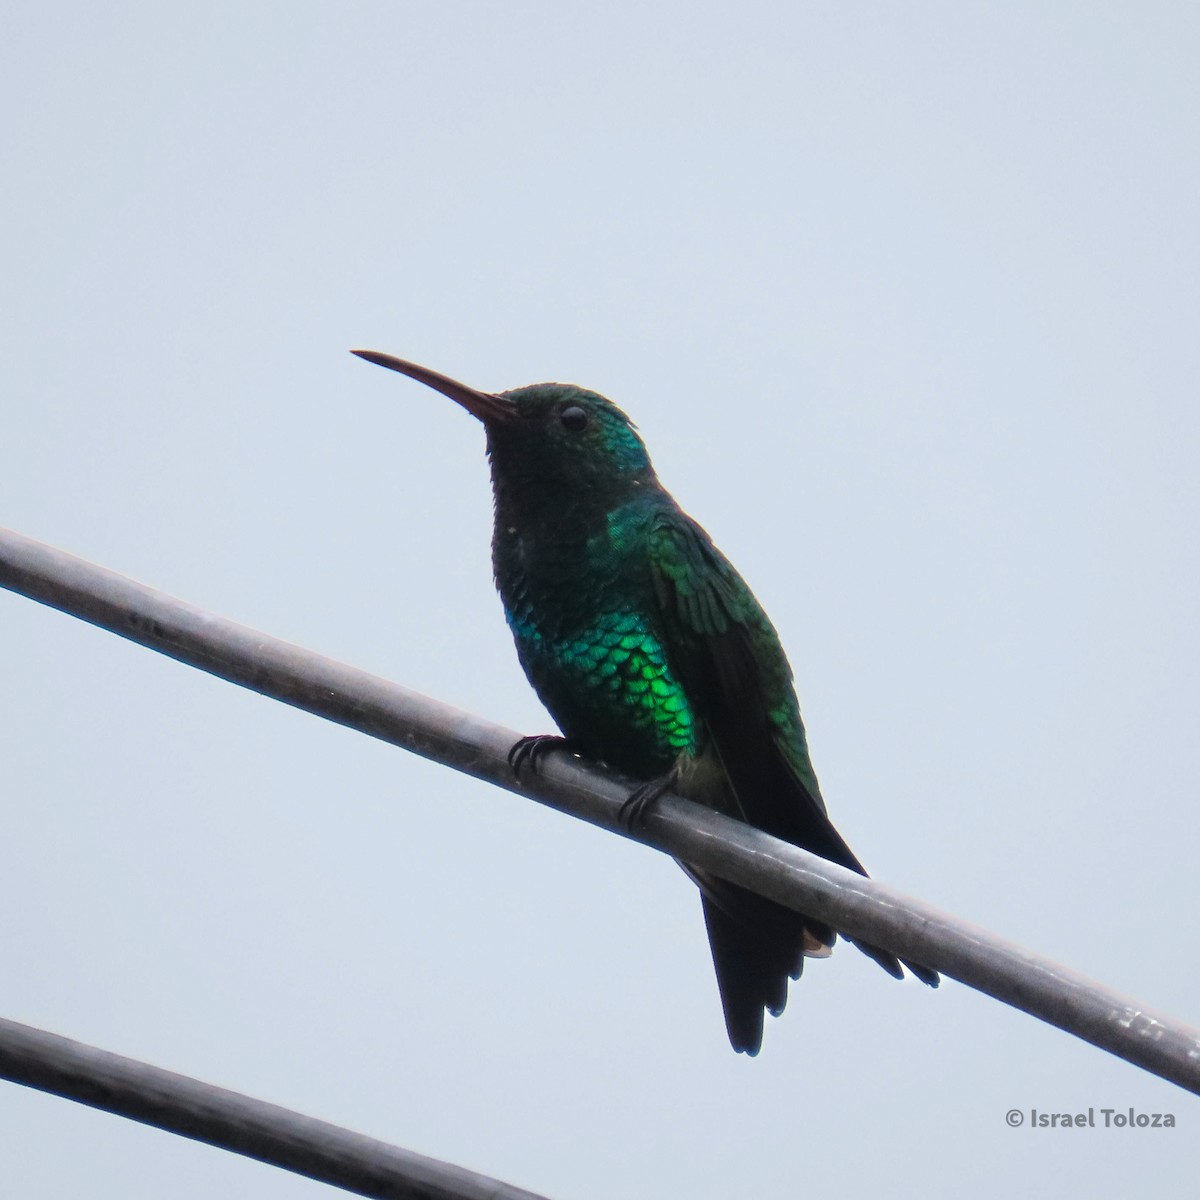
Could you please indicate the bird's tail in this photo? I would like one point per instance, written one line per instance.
(758, 945)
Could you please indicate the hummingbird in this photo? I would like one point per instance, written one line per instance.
(653, 656)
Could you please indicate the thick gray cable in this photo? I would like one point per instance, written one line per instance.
(234, 1122)
(863, 908)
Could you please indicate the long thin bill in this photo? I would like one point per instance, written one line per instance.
(484, 405)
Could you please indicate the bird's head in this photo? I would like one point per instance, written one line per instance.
(552, 440)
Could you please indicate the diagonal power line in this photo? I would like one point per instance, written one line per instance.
(235, 1122)
(862, 908)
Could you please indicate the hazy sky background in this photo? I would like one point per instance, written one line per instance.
(904, 298)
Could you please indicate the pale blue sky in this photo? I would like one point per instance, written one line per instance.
(904, 299)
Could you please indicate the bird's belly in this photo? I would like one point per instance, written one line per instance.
(610, 688)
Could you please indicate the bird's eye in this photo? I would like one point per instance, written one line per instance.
(574, 418)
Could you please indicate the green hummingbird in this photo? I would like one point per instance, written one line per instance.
(652, 655)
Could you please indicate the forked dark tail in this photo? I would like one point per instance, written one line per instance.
(758, 945)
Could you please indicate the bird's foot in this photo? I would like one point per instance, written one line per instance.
(634, 811)
(529, 751)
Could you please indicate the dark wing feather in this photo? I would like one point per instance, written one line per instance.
(735, 672)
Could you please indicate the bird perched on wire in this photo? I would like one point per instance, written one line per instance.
(652, 655)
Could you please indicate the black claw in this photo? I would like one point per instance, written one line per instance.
(635, 810)
(528, 751)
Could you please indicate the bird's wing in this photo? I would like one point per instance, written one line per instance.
(736, 674)
(731, 663)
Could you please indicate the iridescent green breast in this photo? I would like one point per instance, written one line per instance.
(608, 685)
